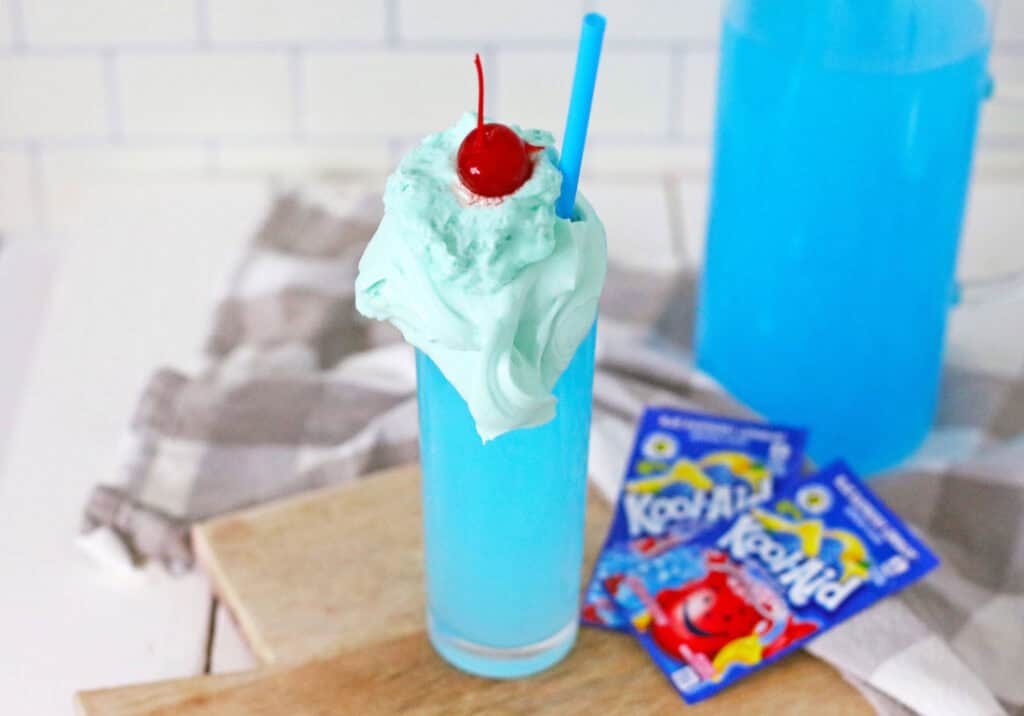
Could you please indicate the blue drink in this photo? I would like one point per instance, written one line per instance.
(842, 158)
(503, 526)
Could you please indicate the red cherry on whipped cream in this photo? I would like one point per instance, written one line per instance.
(493, 160)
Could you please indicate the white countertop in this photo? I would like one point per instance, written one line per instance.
(127, 286)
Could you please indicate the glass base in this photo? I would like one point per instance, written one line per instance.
(497, 662)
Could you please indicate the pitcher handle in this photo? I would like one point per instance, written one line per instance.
(996, 290)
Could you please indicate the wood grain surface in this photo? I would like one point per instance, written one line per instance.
(327, 587)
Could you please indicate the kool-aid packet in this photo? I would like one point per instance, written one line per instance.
(751, 589)
(687, 471)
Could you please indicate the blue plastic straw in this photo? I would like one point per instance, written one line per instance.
(579, 111)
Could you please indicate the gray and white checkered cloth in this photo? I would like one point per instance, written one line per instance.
(301, 392)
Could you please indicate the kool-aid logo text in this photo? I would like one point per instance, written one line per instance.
(649, 514)
(805, 577)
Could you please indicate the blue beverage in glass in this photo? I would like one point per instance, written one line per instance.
(503, 526)
(842, 157)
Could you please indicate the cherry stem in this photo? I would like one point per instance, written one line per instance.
(480, 92)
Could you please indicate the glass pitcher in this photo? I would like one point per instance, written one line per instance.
(842, 157)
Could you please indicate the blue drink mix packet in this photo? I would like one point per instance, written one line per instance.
(746, 592)
(687, 471)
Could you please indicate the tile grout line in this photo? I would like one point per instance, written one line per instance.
(449, 45)
(395, 147)
(492, 71)
(676, 90)
(16, 17)
(202, 11)
(112, 84)
(212, 156)
(297, 80)
(38, 181)
(392, 23)
(672, 188)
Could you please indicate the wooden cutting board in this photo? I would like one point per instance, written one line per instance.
(327, 588)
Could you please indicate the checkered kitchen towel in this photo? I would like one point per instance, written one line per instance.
(301, 392)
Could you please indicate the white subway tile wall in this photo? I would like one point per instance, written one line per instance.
(1010, 25)
(50, 98)
(18, 187)
(107, 23)
(526, 85)
(73, 164)
(244, 94)
(295, 22)
(380, 92)
(5, 26)
(656, 248)
(697, 102)
(473, 21)
(675, 22)
(533, 87)
(258, 85)
(1002, 120)
(367, 155)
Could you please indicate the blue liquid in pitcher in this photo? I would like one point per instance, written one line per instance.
(843, 153)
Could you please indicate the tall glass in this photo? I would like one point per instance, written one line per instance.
(503, 526)
(842, 158)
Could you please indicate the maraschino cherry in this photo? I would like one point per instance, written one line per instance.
(493, 160)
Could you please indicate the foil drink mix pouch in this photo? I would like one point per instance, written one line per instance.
(687, 471)
(747, 591)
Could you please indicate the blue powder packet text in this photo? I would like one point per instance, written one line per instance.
(687, 471)
(749, 590)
